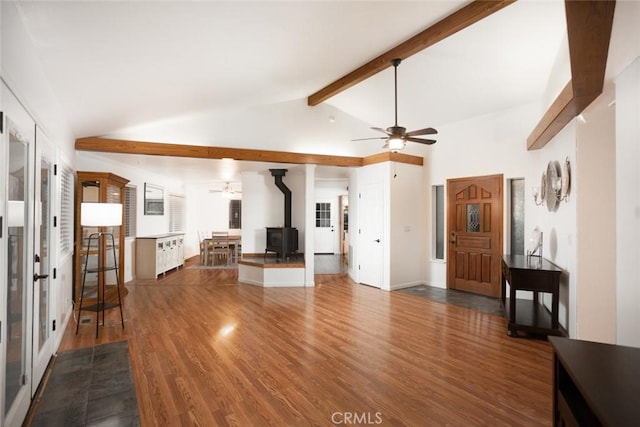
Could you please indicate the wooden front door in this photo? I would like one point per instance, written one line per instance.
(474, 218)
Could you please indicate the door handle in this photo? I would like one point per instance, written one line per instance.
(37, 277)
(453, 238)
(377, 240)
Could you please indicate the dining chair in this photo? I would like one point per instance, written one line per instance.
(206, 247)
(221, 251)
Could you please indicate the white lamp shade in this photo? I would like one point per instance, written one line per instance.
(15, 214)
(100, 214)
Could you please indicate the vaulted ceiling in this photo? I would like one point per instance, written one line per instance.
(114, 65)
(117, 65)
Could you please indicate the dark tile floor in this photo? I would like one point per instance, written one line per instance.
(329, 264)
(462, 299)
(90, 387)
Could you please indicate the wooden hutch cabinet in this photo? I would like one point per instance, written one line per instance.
(98, 187)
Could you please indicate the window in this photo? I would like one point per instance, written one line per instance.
(67, 179)
(438, 214)
(323, 215)
(235, 214)
(130, 210)
(176, 213)
(516, 222)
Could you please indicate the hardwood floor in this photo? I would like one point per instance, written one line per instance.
(208, 351)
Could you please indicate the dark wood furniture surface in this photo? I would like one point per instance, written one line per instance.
(536, 275)
(595, 384)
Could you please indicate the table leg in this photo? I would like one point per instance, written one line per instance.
(512, 310)
(554, 310)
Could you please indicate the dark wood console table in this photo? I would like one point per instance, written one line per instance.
(536, 275)
(595, 384)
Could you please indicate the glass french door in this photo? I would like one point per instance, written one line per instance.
(26, 190)
(17, 248)
(42, 341)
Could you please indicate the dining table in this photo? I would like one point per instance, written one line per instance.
(234, 245)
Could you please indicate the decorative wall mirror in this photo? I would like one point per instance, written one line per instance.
(153, 199)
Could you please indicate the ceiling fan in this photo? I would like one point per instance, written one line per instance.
(397, 136)
(227, 191)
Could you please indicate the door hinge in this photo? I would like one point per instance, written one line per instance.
(54, 325)
(1, 122)
(55, 169)
(23, 379)
(55, 273)
(0, 227)
(359, 195)
(55, 221)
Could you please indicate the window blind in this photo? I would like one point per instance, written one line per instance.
(176, 213)
(67, 182)
(130, 210)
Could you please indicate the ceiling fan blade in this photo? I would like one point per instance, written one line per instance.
(426, 131)
(366, 139)
(381, 130)
(422, 141)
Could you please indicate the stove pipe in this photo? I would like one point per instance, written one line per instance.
(277, 175)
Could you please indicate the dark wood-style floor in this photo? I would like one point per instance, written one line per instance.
(209, 351)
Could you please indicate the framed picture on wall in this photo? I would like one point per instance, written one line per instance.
(153, 199)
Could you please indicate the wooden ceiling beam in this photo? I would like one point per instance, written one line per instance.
(459, 20)
(561, 112)
(107, 145)
(589, 25)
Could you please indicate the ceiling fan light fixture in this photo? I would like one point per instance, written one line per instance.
(397, 136)
(395, 144)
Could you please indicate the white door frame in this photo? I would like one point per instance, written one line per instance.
(14, 112)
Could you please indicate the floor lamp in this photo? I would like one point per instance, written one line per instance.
(100, 215)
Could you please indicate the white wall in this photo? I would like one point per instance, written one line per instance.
(352, 265)
(627, 178)
(290, 126)
(407, 226)
(595, 196)
(558, 227)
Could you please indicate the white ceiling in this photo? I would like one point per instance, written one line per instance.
(117, 65)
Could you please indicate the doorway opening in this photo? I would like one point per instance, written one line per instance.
(331, 222)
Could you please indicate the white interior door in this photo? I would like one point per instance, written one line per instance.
(17, 242)
(42, 319)
(326, 229)
(370, 238)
